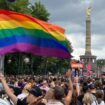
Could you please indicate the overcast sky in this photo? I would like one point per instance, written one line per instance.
(71, 15)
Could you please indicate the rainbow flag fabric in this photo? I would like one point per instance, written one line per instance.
(23, 33)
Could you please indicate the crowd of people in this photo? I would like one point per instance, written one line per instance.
(52, 90)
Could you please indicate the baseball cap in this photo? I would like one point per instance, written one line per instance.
(91, 86)
(36, 91)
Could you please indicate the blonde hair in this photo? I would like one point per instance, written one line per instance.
(50, 94)
(88, 99)
(27, 87)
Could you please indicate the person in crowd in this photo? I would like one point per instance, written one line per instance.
(88, 99)
(103, 83)
(55, 96)
(34, 97)
(3, 102)
(35, 94)
(83, 90)
(99, 98)
(49, 96)
(44, 86)
(53, 89)
(76, 92)
(6, 98)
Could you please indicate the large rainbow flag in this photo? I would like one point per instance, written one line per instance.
(22, 33)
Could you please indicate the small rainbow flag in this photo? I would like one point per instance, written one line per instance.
(22, 33)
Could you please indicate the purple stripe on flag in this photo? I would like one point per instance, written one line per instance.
(36, 50)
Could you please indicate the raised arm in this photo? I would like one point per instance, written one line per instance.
(69, 95)
(76, 81)
(7, 89)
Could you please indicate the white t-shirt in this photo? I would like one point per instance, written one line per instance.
(54, 103)
(4, 102)
(96, 103)
(22, 96)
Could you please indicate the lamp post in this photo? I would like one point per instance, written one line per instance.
(27, 62)
(9, 61)
(2, 63)
(46, 66)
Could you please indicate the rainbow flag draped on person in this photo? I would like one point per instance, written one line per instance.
(22, 33)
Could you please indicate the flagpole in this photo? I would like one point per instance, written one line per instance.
(2, 63)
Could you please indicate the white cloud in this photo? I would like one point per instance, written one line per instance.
(78, 44)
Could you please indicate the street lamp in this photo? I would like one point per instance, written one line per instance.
(46, 67)
(9, 61)
(26, 60)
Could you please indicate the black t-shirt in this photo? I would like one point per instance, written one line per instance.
(21, 102)
(80, 98)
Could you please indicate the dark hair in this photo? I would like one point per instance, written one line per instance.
(58, 93)
(41, 104)
(16, 90)
(1, 93)
(54, 79)
(99, 96)
(91, 86)
(36, 91)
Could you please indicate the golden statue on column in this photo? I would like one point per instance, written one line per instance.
(88, 11)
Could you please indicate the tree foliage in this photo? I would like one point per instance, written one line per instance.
(39, 11)
(100, 63)
(21, 6)
(3, 4)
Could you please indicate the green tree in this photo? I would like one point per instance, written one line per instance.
(3, 4)
(39, 11)
(21, 6)
(100, 63)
